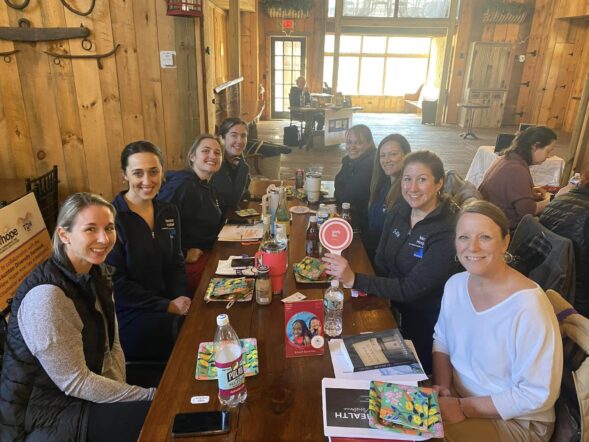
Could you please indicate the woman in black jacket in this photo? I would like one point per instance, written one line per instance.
(200, 215)
(149, 281)
(352, 182)
(415, 255)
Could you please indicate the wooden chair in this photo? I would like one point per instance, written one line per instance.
(45, 189)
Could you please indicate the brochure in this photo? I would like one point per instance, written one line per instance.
(231, 232)
(346, 411)
(303, 328)
(369, 351)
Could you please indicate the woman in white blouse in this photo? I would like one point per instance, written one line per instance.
(497, 354)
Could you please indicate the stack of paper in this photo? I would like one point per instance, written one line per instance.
(231, 232)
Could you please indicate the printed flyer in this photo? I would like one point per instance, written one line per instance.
(303, 332)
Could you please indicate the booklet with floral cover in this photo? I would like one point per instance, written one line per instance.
(303, 328)
(369, 351)
(346, 412)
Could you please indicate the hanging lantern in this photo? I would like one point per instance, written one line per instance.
(185, 8)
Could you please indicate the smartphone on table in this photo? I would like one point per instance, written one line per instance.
(201, 423)
(242, 263)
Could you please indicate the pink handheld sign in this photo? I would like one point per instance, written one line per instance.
(336, 235)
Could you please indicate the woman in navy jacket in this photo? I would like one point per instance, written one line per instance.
(149, 282)
(415, 255)
(192, 192)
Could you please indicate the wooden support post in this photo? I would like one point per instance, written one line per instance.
(577, 156)
(447, 62)
(234, 54)
(339, 12)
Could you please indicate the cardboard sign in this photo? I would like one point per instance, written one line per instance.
(24, 244)
(336, 235)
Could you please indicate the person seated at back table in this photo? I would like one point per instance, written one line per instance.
(63, 369)
(352, 182)
(232, 181)
(200, 215)
(299, 96)
(508, 182)
(568, 216)
(385, 187)
(497, 347)
(149, 280)
(415, 255)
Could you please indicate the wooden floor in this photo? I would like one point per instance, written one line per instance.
(455, 152)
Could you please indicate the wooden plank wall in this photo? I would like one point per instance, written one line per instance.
(78, 116)
(558, 71)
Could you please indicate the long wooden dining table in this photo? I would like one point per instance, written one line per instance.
(284, 398)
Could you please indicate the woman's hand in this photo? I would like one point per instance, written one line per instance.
(339, 268)
(451, 411)
(539, 193)
(442, 391)
(179, 305)
(564, 190)
(192, 255)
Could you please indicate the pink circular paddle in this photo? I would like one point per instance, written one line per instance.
(336, 235)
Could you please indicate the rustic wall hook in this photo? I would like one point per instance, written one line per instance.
(23, 5)
(97, 57)
(7, 55)
(75, 11)
(86, 44)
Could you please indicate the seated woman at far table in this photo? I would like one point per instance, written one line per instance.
(508, 182)
(497, 347)
(149, 280)
(385, 187)
(200, 215)
(352, 182)
(415, 255)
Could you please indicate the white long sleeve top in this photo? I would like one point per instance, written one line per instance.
(511, 352)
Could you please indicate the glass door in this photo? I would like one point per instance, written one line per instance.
(287, 64)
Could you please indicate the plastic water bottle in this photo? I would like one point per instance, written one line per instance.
(333, 304)
(322, 214)
(229, 364)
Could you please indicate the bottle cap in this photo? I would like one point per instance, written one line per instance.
(263, 270)
(313, 219)
(222, 319)
(321, 206)
(345, 205)
(334, 283)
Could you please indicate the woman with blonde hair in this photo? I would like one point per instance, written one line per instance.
(63, 369)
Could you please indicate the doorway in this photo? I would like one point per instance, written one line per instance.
(287, 63)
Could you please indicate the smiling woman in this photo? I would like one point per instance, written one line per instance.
(200, 214)
(149, 281)
(63, 370)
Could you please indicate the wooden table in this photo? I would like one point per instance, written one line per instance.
(284, 399)
(470, 109)
(11, 189)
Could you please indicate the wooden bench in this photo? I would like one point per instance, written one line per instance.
(417, 103)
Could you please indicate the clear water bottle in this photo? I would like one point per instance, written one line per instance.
(229, 364)
(322, 214)
(333, 304)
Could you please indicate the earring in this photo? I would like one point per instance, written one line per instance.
(455, 258)
(508, 258)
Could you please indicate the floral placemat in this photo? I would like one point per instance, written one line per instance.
(205, 363)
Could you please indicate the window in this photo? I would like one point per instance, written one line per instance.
(393, 8)
(378, 64)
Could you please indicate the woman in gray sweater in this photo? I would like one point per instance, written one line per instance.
(63, 373)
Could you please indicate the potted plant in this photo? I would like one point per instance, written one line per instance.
(287, 8)
(506, 12)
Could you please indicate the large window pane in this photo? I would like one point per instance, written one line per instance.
(329, 43)
(331, 8)
(278, 62)
(347, 78)
(296, 48)
(371, 73)
(328, 69)
(409, 45)
(404, 75)
(278, 47)
(279, 104)
(350, 44)
(424, 8)
(369, 8)
(288, 48)
(374, 45)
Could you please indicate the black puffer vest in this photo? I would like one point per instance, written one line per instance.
(31, 405)
(568, 216)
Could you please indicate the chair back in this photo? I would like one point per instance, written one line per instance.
(45, 188)
(544, 257)
(572, 406)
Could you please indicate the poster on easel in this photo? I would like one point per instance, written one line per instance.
(24, 243)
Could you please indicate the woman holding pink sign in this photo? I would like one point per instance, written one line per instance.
(415, 255)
